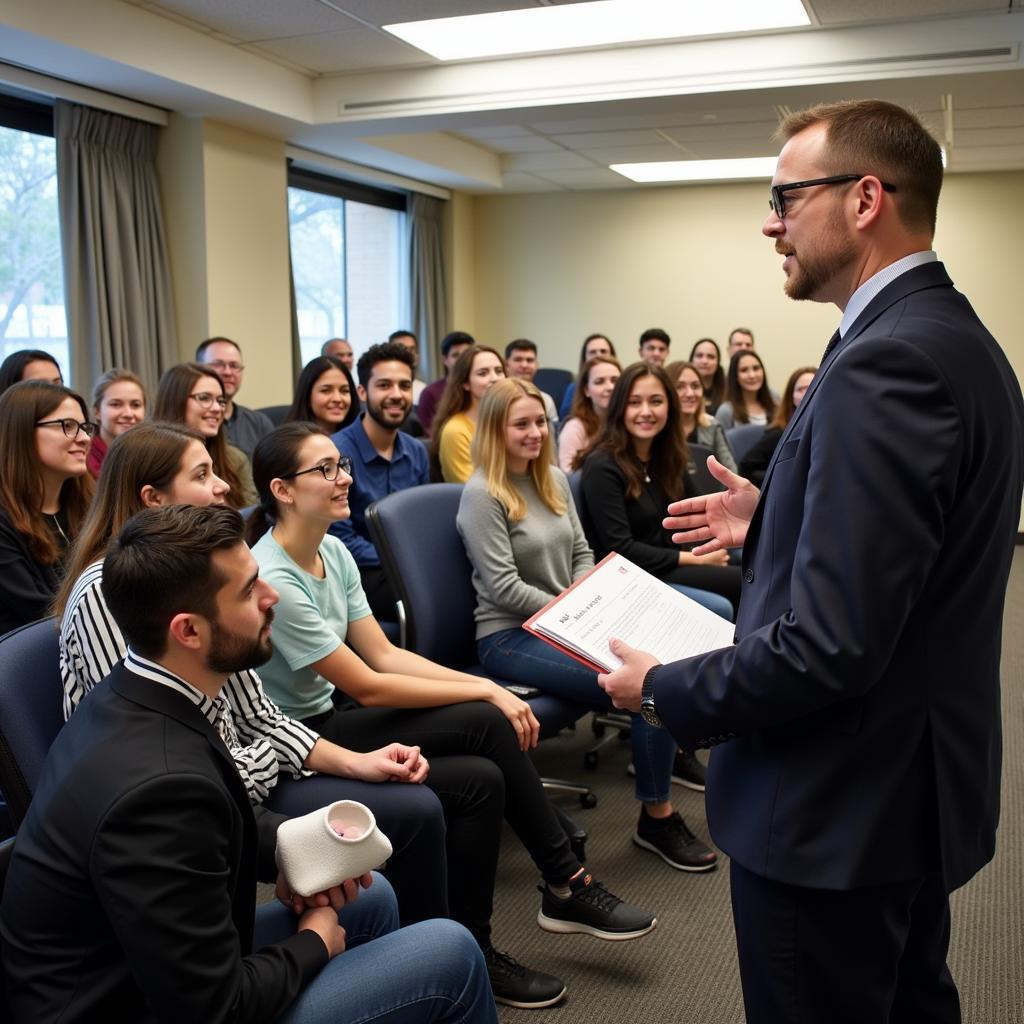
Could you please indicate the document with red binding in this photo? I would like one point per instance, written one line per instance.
(619, 599)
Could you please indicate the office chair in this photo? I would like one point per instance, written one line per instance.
(742, 438)
(701, 480)
(422, 553)
(553, 382)
(275, 413)
(31, 715)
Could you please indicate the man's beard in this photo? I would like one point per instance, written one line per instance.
(376, 413)
(819, 262)
(232, 652)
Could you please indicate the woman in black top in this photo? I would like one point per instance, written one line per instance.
(636, 467)
(755, 463)
(44, 493)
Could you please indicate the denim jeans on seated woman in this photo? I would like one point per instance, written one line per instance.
(429, 973)
(519, 657)
(713, 602)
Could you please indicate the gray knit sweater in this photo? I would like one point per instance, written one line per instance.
(519, 567)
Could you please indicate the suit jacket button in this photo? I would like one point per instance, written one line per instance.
(749, 575)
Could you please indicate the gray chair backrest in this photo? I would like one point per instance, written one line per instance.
(742, 438)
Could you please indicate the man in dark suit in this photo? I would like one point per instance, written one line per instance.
(857, 780)
(131, 893)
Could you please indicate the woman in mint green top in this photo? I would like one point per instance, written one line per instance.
(474, 733)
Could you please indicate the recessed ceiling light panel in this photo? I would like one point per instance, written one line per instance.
(599, 23)
(748, 168)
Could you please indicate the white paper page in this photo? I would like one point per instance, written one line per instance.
(619, 599)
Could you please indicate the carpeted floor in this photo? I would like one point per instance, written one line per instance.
(686, 970)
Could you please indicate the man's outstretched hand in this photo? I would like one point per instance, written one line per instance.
(716, 521)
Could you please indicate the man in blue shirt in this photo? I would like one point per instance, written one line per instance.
(384, 459)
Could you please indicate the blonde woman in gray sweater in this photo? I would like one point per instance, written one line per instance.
(526, 544)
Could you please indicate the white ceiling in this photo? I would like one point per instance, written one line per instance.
(322, 75)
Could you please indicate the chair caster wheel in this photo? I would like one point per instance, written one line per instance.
(590, 759)
(588, 800)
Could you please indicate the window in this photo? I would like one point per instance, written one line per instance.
(31, 275)
(346, 245)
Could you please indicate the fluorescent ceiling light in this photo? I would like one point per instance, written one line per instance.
(699, 170)
(599, 23)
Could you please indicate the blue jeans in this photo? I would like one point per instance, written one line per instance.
(519, 657)
(431, 971)
(713, 602)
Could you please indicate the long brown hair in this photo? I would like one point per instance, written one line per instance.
(583, 407)
(669, 455)
(787, 406)
(716, 393)
(701, 417)
(301, 410)
(149, 453)
(455, 399)
(22, 490)
(172, 395)
(738, 397)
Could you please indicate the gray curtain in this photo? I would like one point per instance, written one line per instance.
(427, 307)
(117, 282)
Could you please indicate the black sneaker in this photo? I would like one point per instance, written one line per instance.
(688, 771)
(516, 985)
(591, 909)
(673, 842)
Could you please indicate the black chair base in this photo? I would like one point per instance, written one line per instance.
(608, 727)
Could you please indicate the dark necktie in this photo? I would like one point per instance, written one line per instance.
(832, 342)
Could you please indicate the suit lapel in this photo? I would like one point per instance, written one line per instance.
(931, 275)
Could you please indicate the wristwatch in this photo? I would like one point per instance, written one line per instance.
(647, 711)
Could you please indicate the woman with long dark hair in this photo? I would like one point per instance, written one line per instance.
(637, 466)
(325, 394)
(590, 403)
(45, 490)
(748, 397)
(594, 346)
(168, 464)
(522, 534)
(706, 357)
(330, 650)
(455, 423)
(193, 394)
(29, 364)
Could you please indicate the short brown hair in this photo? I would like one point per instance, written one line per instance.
(160, 565)
(875, 137)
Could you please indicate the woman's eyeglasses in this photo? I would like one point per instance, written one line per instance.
(70, 426)
(330, 470)
(206, 399)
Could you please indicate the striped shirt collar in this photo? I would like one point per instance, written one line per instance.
(873, 285)
(158, 674)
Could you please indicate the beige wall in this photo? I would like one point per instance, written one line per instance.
(225, 202)
(555, 267)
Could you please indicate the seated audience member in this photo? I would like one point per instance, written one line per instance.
(654, 345)
(340, 349)
(741, 339)
(29, 364)
(706, 356)
(193, 394)
(698, 426)
(522, 534)
(44, 493)
(748, 397)
(593, 346)
(384, 460)
(409, 341)
(243, 426)
(131, 894)
(118, 404)
(596, 384)
(476, 734)
(477, 369)
(755, 462)
(521, 362)
(160, 464)
(325, 394)
(452, 346)
(635, 468)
